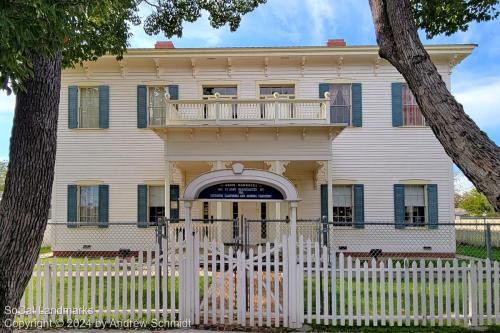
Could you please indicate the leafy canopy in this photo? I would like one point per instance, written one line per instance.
(475, 203)
(82, 30)
(449, 16)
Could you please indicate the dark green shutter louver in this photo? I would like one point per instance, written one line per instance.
(397, 104)
(173, 91)
(174, 200)
(72, 107)
(142, 107)
(432, 206)
(399, 206)
(103, 106)
(142, 206)
(103, 206)
(72, 206)
(359, 206)
(357, 105)
(324, 200)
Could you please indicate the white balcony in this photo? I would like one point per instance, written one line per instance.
(243, 112)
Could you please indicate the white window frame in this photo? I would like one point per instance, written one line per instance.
(424, 123)
(78, 212)
(79, 110)
(350, 97)
(345, 224)
(426, 205)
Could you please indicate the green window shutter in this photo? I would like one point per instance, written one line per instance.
(72, 206)
(324, 200)
(103, 106)
(142, 206)
(173, 91)
(432, 206)
(359, 206)
(323, 88)
(399, 206)
(174, 197)
(72, 107)
(142, 107)
(357, 105)
(103, 206)
(397, 104)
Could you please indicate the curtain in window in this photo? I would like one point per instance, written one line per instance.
(89, 203)
(89, 107)
(342, 196)
(156, 104)
(414, 195)
(411, 111)
(340, 95)
(156, 196)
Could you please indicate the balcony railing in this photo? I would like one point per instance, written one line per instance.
(241, 111)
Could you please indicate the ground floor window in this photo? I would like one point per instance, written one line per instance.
(415, 206)
(342, 205)
(88, 204)
(263, 217)
(156, 202)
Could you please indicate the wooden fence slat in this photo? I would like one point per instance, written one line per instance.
(214, 283)
(251, 287)
(309, 282)
(148, 285)
(69, 290)
(374, 292)
(399, 304)
(140, 285)
(54, 287)
(448, 292)
(414, 271)
(116, 291)
(382, 294)
(164, 280)
(30, 296)
(390, 292)
(46, 289)
(109, 278)
(259, 286)
(366, 292)
(85, 284)
(92, 290)
(301, 279)
(325, 286)
(488, 292)
(133, 269)
(341, 290)
(357, 266)
(38, 288)
(480, 289)
(268, 284)
(196, 271)
(407, 292)
(205, 283)
(222, 292)
(101, 289)
(317, 284)
(439, 268)
(350, 315)
(456, 297)
(157, 281)
(496, 291)
(334, 287)
(285, 280)
(276, 285)
(465, 294)
(173, 262)
(473, 293)
(423, 292)
(231, 286)
(432, 291)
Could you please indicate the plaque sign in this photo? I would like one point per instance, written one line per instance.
(240, 191)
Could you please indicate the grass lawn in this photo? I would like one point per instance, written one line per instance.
(477, 251)
(403, 329)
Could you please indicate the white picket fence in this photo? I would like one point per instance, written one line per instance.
(224, 286)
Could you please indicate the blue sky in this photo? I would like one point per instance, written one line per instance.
(475, 82)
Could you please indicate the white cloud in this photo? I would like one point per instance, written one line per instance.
(480, 100)
(321, 13)
(7, 103)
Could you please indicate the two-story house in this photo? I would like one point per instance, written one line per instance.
(336, 121)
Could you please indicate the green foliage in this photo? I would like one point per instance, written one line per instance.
(475, 203)
(83, 30)
(450, 16)
(3, 173)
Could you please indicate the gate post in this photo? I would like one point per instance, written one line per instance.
(294, 298)
(189, 271)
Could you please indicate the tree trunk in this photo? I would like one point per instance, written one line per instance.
(470, 149)
(26, 201)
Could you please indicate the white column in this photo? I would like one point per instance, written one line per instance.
(167, 188)
(330, 189)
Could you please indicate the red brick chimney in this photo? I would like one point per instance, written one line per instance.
(336, 43)
(164, 45)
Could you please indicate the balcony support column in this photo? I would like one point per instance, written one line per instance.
(168, 175)
(330, 189)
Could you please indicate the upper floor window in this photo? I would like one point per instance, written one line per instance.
(156, 203)
(411, 112)
(343, 205)
(226, 110)
(340, 103)
(88, 110)
(415, 205)
(284, 91)
(88, 204)
(156, 104)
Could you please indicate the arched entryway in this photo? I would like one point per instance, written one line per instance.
(240, 184)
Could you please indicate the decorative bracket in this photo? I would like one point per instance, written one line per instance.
(451, 63)
(302, 66)
(266, 66)
(229, 66)
(376, 66)
(193, 67)
(122, 68)
(247, 133)
(87, 70)
(303, 133)
(191, 133)
(217, 133)
(157, 67)
(340, 63)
